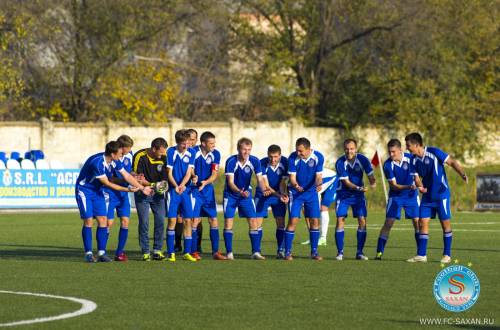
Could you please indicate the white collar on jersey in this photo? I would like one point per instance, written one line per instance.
(275, 168)
(199, 152)
(177, 153)
(311, 156)
(399, 164)
(356, 161)
(246, 163)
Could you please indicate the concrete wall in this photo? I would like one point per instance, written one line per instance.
(72, 143)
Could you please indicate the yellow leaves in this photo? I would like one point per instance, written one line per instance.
(141, 91)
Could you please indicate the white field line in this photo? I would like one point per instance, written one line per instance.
(87, 307)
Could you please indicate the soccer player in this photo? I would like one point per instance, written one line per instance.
(90, 198)
(404, 185)
(429, 163)
(305, 168)
(206, 169)
(180, 164)
(118, 200)
(328, 195)
(351, 193)
(274, 175)
(150, 164)
(238, 194)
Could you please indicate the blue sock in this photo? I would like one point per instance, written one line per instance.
(194, 240)
(101, 237)
(254, 240)
(289, 235)
(261, 234)
(382, 240)
(228, 240)
(187, 244)
(422, 244)
(361, 235)
(122, 240)
(313, 239)
(170, 241)
(447, 238)
(339, 240)
(280, 238)
(87, 238)
(214, 239)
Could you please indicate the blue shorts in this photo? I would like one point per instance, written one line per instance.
(183, 203)
(307, 199)
(118, 200)
(442, 208)
(246, 206)
(329, 195)
(262, 204)
(395, 204)
(204, 202)
(357, 203)
(91, 203)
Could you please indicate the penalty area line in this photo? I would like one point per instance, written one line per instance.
(87, 307)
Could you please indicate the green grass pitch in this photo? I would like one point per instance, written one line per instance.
(42, 253)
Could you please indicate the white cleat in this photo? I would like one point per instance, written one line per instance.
(446, 259)
(361, 257)
(230, 256)
(339, 257)
(417, 259)
(322, 241)
(306, 242)
(258, 256)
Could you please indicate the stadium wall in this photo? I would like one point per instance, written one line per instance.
(72, 143)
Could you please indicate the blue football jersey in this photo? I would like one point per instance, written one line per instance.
(329, 178)
(242, 173)
(127, 166)
(179, 163)
(431, 168)
(354, 172)
(274, 175)
(95, 167)
(306, 169)
(403, 173)
(205, 165)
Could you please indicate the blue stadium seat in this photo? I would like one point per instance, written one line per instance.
(3, 156)
(34, 155)
(15, 155)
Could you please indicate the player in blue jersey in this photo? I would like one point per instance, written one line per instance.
(206, 169)
(328, 195)
(274, 175)
(404, 185)
(119, 200)
(238, 195)
(429, 164)
(305, 168)
(351, 193)
(180, 164)
(95, 174)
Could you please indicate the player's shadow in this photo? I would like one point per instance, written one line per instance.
(41, 252)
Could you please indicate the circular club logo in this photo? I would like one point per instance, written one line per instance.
(405, 166)
(159, 168)
(357, 168)
(427, 161)
(311, 162)
(456, 288)
(125, 161)
(185, 159)
(209, 160)
(247, 169)
(7, 178)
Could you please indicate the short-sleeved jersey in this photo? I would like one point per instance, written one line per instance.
(179, 163)
(154, 170)
(127, 166)
(306, 169)
(431, 168)
(95, 167)
(204, 165)
(329, 177)
(242, 173)
(402, 173)
(354, 172)
(274, 174)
